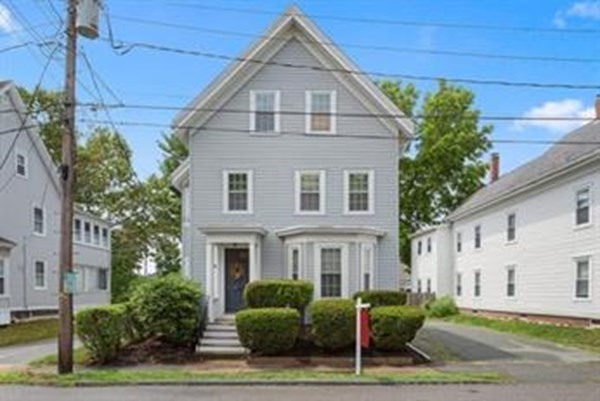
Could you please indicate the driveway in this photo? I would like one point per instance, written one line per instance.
(464, 347)
(23, 354)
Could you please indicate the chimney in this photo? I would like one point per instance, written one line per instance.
(495, 167)
(598, 106)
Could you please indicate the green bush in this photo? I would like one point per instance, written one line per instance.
(382, 297)
(442, 307)
(392, 327)
(268, 331)
(168, 306)
(333, 323)
(100, 329)
(278, 294)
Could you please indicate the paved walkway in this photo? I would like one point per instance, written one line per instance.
(526, 359)
(23, 354)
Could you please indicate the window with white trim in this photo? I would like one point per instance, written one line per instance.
(477, 237)
(3, 275)
(39, 221)
(87, 232)
(429, 286)
(96, 235)
(105, 237)
(419, 288)
(21, 164)
(320, 111)
(511, 278)
(359, 191)
(458, 284)
(310, 192)
(264, 106)
(103, 279)
(428, 244)
(419, 247)
(477, 284)
(331, 272)
(238, 192)
(294, 262)
(583, 210)
(458, 242)
(368, 263)
(77, 230)
(511, 227)
(39, 275)
(583, 278)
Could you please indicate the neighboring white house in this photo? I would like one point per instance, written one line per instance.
(30, 221)
(528, 244)
(295, 185)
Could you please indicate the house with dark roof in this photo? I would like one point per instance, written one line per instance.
(30, 210)
(527, 243)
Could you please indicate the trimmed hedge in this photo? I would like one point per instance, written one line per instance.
(167, 306)
(392, 327)
(269, 331)
(278, 294)
(101, 330)
(333, 323)
(442, 307)
(382, 297)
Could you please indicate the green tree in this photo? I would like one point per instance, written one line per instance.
(444, 165)
(174, 152)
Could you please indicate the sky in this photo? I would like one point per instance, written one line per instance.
(150, 77)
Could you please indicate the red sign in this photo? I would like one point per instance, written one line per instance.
(365, 330)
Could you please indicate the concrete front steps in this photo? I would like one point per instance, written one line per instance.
(221, 339)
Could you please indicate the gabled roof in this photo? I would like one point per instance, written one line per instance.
(583, 145)
(290, 24)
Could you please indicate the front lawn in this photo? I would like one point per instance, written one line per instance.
(187, 376)
(584, 338)
(28, 332)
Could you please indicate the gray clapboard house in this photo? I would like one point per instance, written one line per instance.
(292, 171)
(30, 221)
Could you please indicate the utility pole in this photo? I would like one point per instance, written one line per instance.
(67, 176)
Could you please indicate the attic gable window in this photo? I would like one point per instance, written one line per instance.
(21, 164)
(320, 112)
(583, 201)
(264, 116)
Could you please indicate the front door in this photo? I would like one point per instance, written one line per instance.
(237, 269)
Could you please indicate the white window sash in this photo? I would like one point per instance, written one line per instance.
(371, 195)
(588, 189)
(44, 222)
(249, 192)
(332, 110)
(345, 269)
(35, 275)
(367, 265)
(298, 249)
(5, 276)
(25, 164)
(589, 280)
(276, 110)
(298, 192)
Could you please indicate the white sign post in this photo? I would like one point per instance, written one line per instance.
(358, 362)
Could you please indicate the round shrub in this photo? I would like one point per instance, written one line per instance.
(392, 327)
(442, 307)
(168, 306)
(268, 331)
(333, 323)
(278, 294)
(100, 329)
(382, 297)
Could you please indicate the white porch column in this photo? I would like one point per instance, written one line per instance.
(253, 264)
(209, 280)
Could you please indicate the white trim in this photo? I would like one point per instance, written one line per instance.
(276, 111)
(45, 265)
(371, 196)
(508, 268)
(18, 153)
(459, 280)
(577, 259)
(475, 247)
(290, 259)
(92, 223)
(322, 192)
(459, 236)
(318, 247)
(249, 192)
(6, 293)
(364, 247)
(475, 273)
(508, 241)
(332, 111)
(44, 220)
(590, 222)
(108, 279)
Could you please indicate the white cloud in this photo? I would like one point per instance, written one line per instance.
(587, 9)
(566, 108)
(7, 23)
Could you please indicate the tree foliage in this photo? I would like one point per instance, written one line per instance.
(444, 165)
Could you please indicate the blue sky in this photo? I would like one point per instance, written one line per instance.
(149, 77)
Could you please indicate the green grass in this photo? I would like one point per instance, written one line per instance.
(80, 357)
(584, 338)
(28, 332)
(125, 376)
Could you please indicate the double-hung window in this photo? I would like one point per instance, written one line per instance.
(429, 286)
(103, 279)
(458, 284)
(458, 242)
(96, 235)
(264, 107)
(368, 262)
(77, 230)
(310, 192)
(358, 192)
(237, 191)
(39, 221)
(428, 244)
(294, 262)
(320, 112)
(583, 210)
(583, 278)
(21, 164)
(3, 276)
(477, 284)
(105, 237)
(419, 247)
(477, 237)
(419, 286)
(511, 227)
(87, 232)
(39, 275)
(331, 272)
(511, 278)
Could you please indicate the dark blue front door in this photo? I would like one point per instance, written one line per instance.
(237, 266)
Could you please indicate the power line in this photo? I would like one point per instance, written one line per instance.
(398, 22)
(394, 49)
(123, 47)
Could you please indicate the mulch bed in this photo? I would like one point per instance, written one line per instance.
(155, 351)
